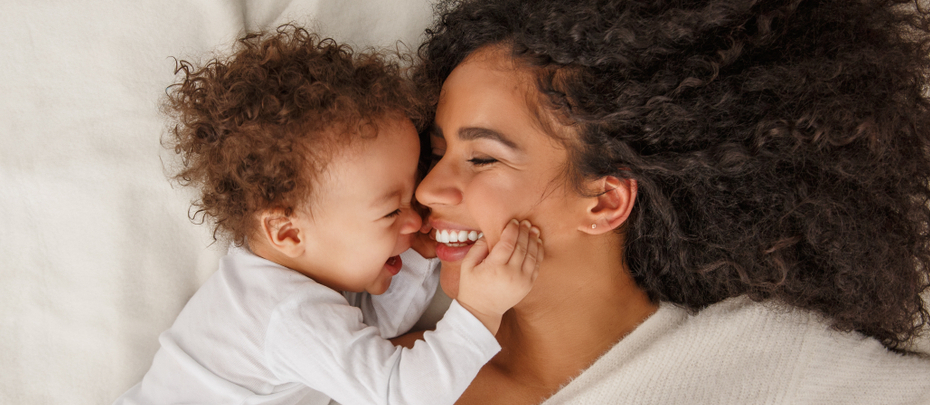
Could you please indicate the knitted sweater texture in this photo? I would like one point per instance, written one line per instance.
(743, 352)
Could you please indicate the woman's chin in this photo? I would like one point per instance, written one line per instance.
(449, 278)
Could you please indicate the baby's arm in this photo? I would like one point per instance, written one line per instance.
(492, 283)
(322, 343)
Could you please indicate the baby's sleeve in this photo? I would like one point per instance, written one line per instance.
(399, 308)
(326, 346)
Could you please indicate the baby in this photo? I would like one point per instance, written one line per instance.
(305, 156)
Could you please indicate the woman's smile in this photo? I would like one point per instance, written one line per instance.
(455, 238)
(453, 241)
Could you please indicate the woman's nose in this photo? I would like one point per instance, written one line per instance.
(439, 187)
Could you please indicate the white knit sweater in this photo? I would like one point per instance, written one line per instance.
(741, 352)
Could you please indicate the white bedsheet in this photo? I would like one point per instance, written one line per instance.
(97, 255)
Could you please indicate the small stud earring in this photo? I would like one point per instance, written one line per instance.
(593, 226)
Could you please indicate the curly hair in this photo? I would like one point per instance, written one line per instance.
(255, 130)
(781, 147)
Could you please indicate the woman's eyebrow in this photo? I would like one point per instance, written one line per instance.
(473, 133)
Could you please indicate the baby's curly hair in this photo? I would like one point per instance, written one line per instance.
(781, 147)
(254, 130)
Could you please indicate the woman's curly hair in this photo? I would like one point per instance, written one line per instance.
(781, 147)
(254, 130)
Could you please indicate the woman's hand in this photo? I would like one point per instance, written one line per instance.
(493, 282)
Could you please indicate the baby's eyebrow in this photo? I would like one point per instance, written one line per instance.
(384, 199)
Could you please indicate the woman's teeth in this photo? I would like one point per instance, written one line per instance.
(457, 238)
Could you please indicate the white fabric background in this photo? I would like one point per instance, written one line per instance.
(97, 255)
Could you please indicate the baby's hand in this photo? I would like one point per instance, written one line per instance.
(492, 283)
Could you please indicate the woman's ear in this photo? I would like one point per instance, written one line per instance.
(611, 205)
(282, 232)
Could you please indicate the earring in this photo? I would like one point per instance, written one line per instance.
(593, 226)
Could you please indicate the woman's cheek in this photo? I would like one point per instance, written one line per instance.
(497, 228)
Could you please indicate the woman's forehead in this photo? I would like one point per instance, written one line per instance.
(490, 89)
(496, 56)
(497, 61)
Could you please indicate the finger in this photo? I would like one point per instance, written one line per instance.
(519, 250)
(541, 254)
(475, 255)
(504, 247)
(532, 249)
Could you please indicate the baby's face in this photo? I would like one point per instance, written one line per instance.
(361, 217)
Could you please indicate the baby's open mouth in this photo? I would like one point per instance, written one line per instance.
(393, 264)
(456, 238)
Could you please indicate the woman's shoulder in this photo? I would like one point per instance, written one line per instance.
(740, 351)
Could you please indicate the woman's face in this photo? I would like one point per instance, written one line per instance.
(496, 164)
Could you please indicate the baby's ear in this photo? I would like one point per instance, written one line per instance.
(282, 232)
(611, 206)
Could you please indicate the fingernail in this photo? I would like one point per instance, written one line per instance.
(515, 222)
(535, 231)
(525, 223)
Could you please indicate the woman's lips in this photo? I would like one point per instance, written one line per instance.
(454, 244)
(450, 254)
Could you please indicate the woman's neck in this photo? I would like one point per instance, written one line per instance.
(581, 305)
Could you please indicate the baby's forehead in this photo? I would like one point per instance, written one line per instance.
(344, 143)
(381, 155)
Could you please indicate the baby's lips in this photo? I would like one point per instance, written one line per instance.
(393, 264)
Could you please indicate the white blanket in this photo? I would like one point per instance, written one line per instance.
(97, 255)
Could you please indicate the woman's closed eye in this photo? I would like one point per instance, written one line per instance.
(477, 161)
(393, 213)
(482, 161)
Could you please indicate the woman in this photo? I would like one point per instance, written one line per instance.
(733, 195)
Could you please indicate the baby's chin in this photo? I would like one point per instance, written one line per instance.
(379, 289)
